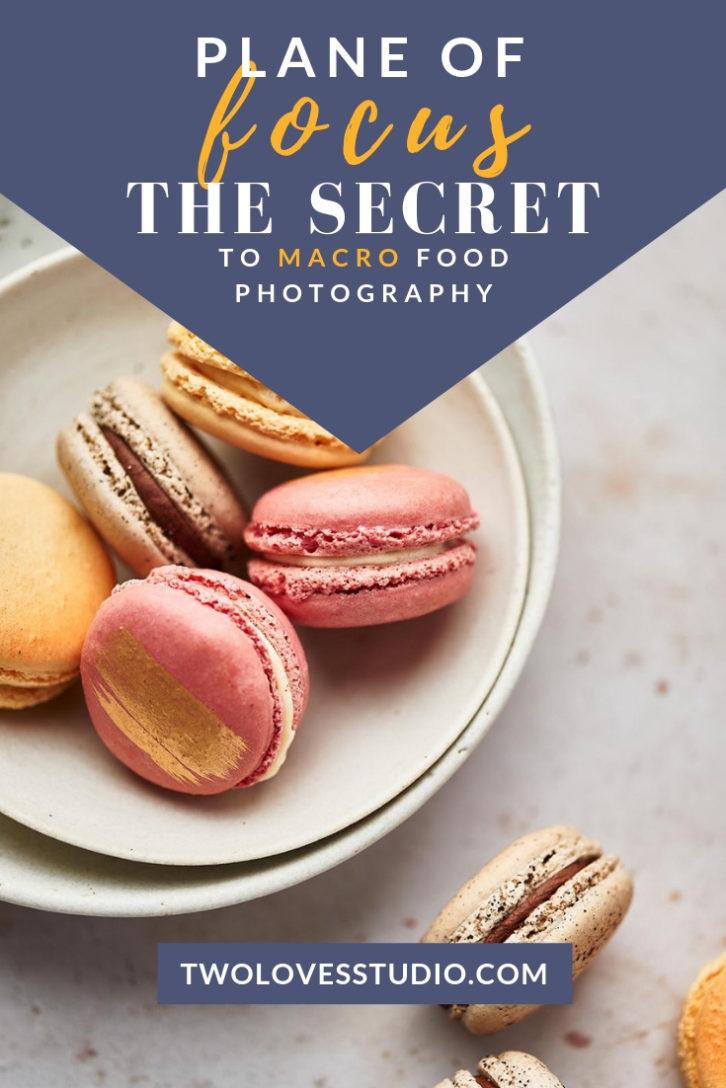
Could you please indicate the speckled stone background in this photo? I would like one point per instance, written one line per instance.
(617, 725)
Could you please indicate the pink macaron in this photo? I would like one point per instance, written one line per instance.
(194, 680)
(360, 546)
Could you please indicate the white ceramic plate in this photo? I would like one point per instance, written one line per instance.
(386, 702)
(40, 872)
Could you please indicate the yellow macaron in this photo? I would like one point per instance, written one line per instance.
(208, 390)
(702, 1029)
(54, 574)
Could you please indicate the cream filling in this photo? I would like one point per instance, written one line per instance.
(376, 559)
(288, 712)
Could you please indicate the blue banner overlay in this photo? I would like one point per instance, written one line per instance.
(356, 203)
(364, 974)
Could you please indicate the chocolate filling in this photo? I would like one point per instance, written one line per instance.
(485, 1081)
(512, 921)
(164, 512)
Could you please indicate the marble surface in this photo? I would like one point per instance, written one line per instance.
(616, 726)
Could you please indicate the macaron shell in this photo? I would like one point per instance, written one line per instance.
(584, 911)
(110, 501)
(702, 1029)
(365, 596)
(587, 924)
(488, 1019)
(225, 590)
(358, 510)
(512, 1069)
(200, 515)
(585, 918)
(54, 574)
(515, 1069)
(191, 713)
(462, 1079)
(559, 845)
(292, 439)
(197, 467)
(275, 640)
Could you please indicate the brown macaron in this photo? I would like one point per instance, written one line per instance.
(702, 1029)
(209, 390)
(553, 885)
(148, 485)
(512, 1069)
(54, 575)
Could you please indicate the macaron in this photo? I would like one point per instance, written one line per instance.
(195, 680)
(551, 885)
(361, 546)
(210, 391)
(702, 1029)
(150, 488)
(54, 575)
(512, 1069)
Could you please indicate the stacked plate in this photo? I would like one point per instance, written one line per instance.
(394, 710)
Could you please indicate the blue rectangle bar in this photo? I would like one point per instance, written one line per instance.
(364, 974)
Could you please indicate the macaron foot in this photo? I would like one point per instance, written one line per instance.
(14, 697)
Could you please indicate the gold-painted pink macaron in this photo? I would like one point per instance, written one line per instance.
(702, 1029)
(551, 885)
(54, 575)
(195, 680)
(207, 389)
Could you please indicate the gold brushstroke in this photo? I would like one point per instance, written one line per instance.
(157, 714)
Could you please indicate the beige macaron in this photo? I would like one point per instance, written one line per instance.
(207, 389)
(553, 885)
(702, 1029)
(512, 1069)
(54, 575)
